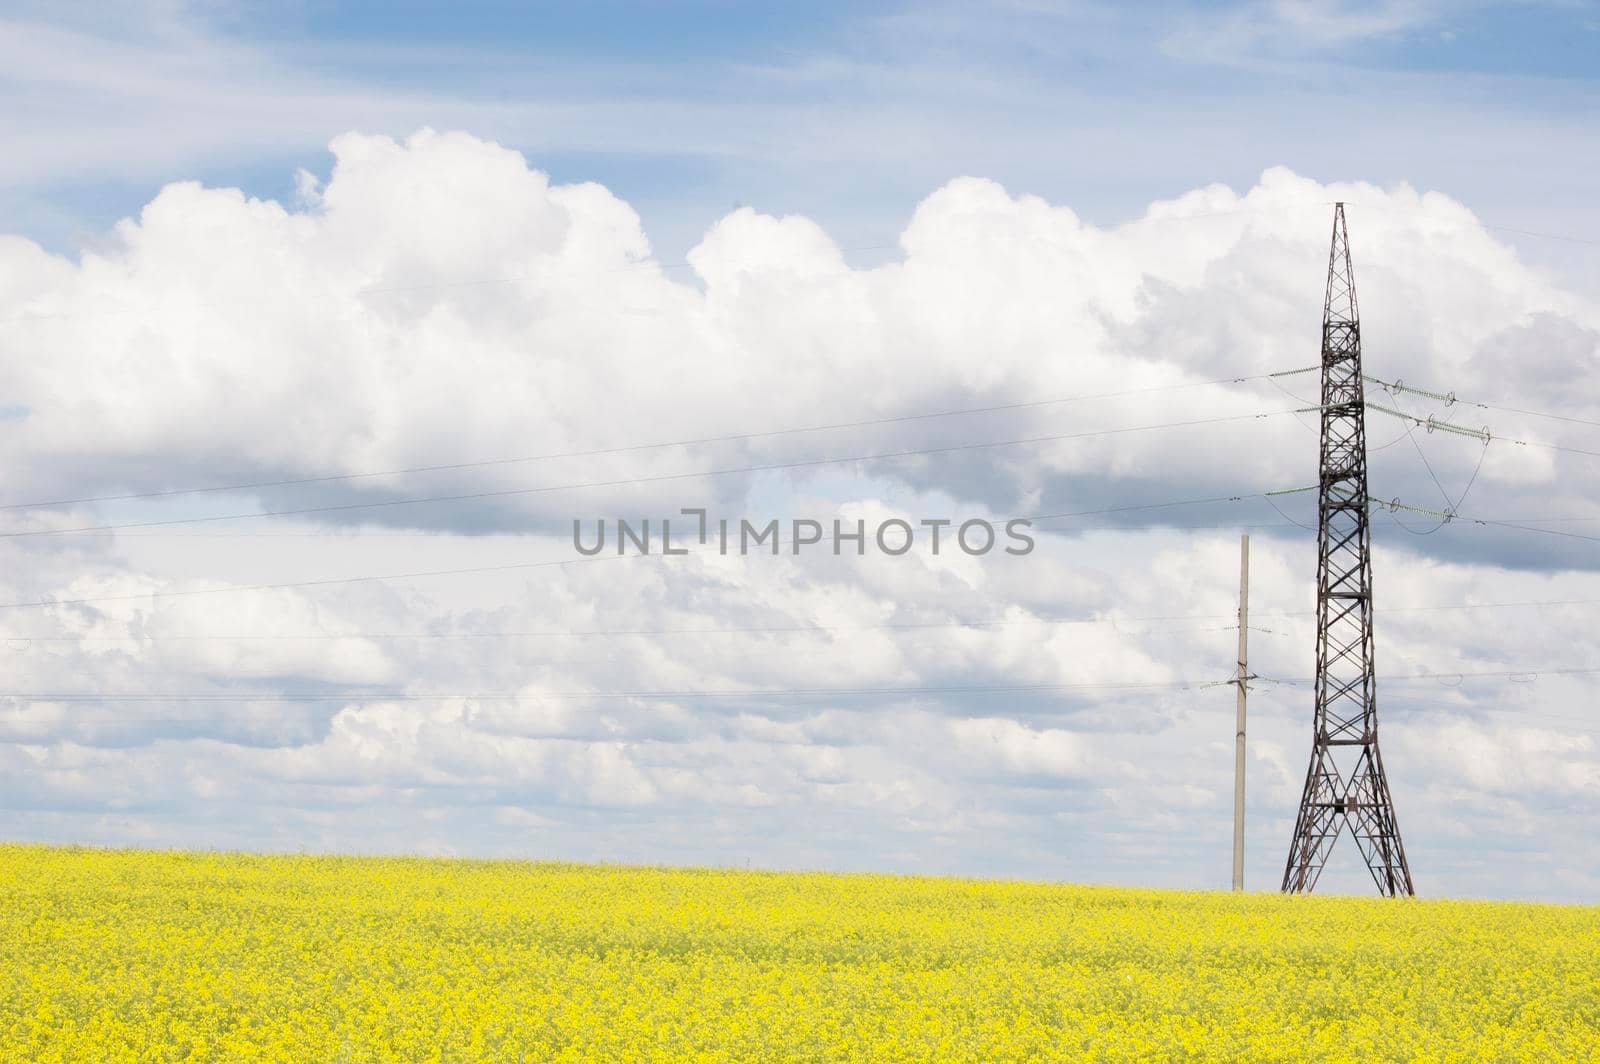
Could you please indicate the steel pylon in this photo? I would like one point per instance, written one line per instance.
(1345, 784)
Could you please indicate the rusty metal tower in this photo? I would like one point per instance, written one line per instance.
(1345, 784)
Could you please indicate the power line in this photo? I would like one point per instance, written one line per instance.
(415, 575)
(421, 286)
(1451, 399)
(1458, 710)
(1479, 606)
(595, 452)
(515, 566)
(797, 629)
(1450, 505)
(1565, 238)
(522, 696)
(1543, 236)
(184, 592)
(336, 534)
(1456, 675)
(222, 698)
(1446, 518)
(556, 633)
(763, 467)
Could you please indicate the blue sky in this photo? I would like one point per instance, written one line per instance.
(847, 113)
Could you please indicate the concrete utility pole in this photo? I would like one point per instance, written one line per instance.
(1238, 738)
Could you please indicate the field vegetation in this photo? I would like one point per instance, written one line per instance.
(152, 956)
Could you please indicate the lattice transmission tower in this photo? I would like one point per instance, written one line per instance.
(1345, 785)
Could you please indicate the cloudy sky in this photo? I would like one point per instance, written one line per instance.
(439, 287)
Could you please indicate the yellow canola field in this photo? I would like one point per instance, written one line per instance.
(126, 955)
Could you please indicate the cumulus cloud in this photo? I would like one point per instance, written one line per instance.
(441, 302)
(438, 302)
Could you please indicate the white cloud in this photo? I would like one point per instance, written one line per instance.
(1299, 28)
(1017, 749)
(224, 338)
(438, 301)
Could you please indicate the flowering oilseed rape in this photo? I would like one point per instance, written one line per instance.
(125, 955)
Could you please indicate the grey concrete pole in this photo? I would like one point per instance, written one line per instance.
(1238, 739)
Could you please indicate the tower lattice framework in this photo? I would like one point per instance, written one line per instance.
(1345, 784)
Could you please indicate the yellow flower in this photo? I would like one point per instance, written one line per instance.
(143, 956)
